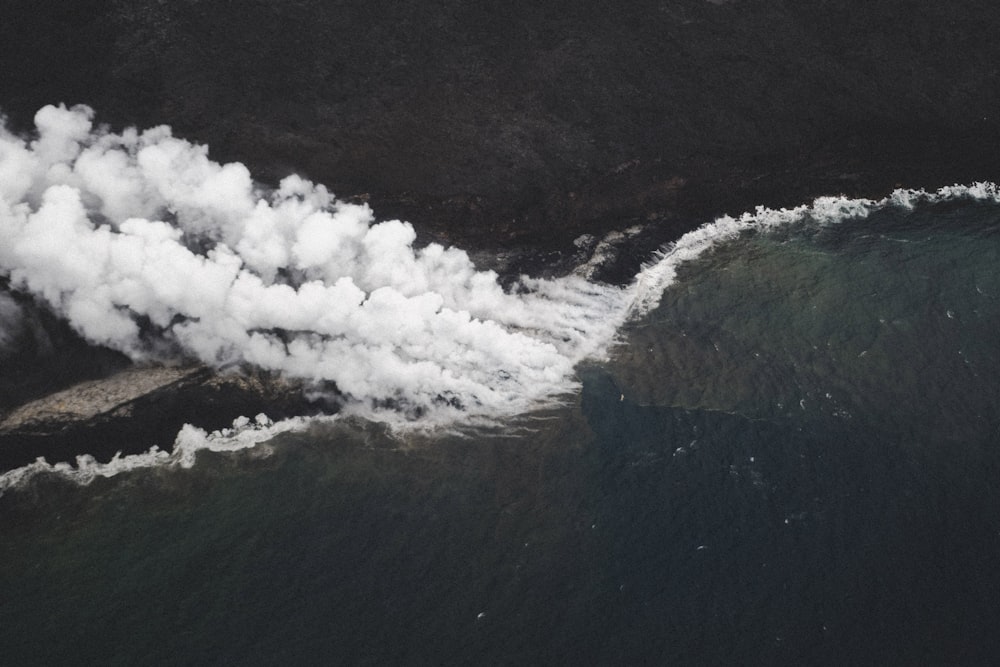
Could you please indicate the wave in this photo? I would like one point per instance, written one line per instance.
(244, 434)
(658, 274)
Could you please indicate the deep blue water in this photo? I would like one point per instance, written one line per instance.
(792, 460)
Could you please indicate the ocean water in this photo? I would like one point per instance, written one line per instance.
(778, 445)
(789, 457)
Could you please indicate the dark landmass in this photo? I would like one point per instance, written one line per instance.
(61, 397)
(528, 124)
(134, 409)
(512, 130)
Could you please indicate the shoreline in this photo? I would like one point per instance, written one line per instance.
(527, 135)
(106, 405)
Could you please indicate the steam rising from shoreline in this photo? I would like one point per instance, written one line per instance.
(145, 245)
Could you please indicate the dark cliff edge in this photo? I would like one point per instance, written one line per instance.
(512, 130)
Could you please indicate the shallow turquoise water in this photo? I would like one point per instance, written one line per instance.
(792, 460)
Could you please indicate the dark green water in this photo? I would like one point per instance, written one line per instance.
(793, 460)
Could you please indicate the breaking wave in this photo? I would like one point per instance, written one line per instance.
(244, 434)
(661, 272)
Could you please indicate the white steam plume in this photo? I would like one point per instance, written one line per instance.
(147, 246)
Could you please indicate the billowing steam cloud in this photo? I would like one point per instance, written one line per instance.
(147, 246)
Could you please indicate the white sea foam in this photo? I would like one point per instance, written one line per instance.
(244, 434)
(659, 274)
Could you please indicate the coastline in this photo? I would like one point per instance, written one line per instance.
(523, 137)
(787, 456)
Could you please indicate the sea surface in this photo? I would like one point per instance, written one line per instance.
(790, 456)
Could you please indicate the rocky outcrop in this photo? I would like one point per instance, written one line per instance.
(110, 398)
(136, 408)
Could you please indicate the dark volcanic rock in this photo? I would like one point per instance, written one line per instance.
(134, 409)
(528, 124)
(61, 397)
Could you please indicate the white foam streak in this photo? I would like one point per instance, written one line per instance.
(244, 434)
(662, 272)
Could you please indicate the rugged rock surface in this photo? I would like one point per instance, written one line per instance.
(114, 396)
(136, 408)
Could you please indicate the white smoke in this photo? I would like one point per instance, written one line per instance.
(11, 324)
(146, 245)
